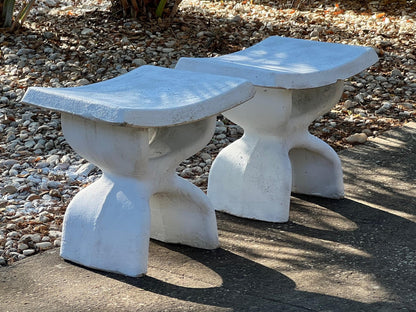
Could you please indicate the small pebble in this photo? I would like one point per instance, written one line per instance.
(44, 245)
(13, 235)
(11, 189)
(85, 169)
(28, 252)
(357, 138)
(22, 246)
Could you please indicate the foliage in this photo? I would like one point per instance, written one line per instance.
(7, 9)
(147, 8)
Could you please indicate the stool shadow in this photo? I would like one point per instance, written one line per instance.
(242, 284)
(246, 286)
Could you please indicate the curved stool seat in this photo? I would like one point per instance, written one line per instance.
(137, 128)
(296, 81)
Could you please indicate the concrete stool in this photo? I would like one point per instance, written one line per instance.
(296, 81)
(137, 128)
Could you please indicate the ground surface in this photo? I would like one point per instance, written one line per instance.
(356, 254)
(65, 44)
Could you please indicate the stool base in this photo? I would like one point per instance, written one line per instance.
(107, 225)
(254, 176)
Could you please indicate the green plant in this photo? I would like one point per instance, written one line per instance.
(7, 9)
(148, 8)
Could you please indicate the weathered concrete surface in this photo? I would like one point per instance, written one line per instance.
(355, 254)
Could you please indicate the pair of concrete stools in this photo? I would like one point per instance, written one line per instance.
(138, 127)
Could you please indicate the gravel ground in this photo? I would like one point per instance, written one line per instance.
(69, 44)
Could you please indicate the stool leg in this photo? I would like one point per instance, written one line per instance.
(183, 214)
(252, 177)
(180, 211)
(316, 166)
(107, 225)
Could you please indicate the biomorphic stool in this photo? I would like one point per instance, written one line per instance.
(296, 81)
(137, 128)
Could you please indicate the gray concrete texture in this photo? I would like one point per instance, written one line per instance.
(354, 254)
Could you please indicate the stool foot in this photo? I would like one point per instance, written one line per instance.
(252, 178)
(107, 226)
(316, 168)
(181, 213)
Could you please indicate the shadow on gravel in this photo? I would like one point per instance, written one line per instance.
(391, 7)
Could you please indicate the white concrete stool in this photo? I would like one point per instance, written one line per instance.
(137, 128)
(296, 81)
